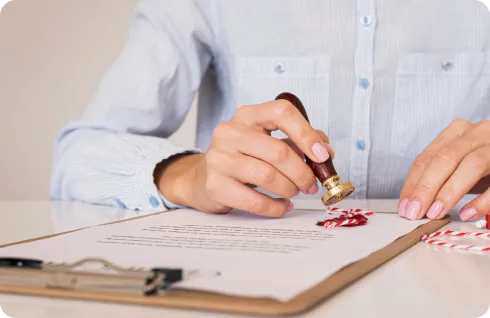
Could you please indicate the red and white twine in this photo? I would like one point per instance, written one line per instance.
(350, 212)
(330, 225)
(484, 224)
(429, 239)
(357, 217)
(347, 218)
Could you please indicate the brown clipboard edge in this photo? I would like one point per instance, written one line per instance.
(197, 300)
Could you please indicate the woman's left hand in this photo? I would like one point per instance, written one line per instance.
(456, 163)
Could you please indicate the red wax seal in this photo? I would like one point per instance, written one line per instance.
(348, 218)
(356, 220)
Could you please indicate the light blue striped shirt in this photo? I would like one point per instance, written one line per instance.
(381, 77)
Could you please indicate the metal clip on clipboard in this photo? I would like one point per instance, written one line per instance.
(93, 274)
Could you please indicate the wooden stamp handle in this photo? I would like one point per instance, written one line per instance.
(323, 170)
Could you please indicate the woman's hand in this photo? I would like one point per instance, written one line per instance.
(242, 155)
(456, 163)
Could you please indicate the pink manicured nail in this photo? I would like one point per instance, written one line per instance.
(435, 209)
(413, 210)
(401, 207)
(290, 206)
(313, 189)
(320, 152)
(468, 214)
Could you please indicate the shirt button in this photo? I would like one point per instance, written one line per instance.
(154, 202)
(447, 66)
(279, 68)
(364, 83)
(360, 144)
(366, 20)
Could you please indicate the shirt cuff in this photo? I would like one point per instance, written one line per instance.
(151, 198)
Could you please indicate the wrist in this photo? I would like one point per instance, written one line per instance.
(175, 178)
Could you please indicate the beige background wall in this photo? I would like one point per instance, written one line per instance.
(52, 55)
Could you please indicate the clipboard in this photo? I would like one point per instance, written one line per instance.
(58, 285)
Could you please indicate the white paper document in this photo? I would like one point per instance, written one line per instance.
(257, 257)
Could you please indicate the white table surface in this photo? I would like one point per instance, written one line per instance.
(423, 281)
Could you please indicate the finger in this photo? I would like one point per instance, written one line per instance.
(476, 208)
(323, 136)
(250, 170)
(301, 154)
(327, 143)
(284, 116)
(453, 131)
(291, 144)
(269, 149)
(472, 169)
(443, 164)
(232, 193)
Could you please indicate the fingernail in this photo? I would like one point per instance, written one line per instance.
(320, 152)
(435, 209)
(313, 189)
(468, 214)
(413, 210)
(402, 206)
(290, 206)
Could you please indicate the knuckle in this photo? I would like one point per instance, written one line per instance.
(242, 111)
(459, 124)
(422, 188)
(447, 155)
(447, 194)
(422, 160)
(283, 107)
(477, 162)
(324, 136)
(279, 153)
(266, 175)
(223, 129)
(306, 133)
(257, 205)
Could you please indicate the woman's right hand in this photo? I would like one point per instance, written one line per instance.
(243, 153)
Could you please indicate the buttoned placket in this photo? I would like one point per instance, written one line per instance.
(363, 68)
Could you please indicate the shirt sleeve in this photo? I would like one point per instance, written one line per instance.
(108, 156)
